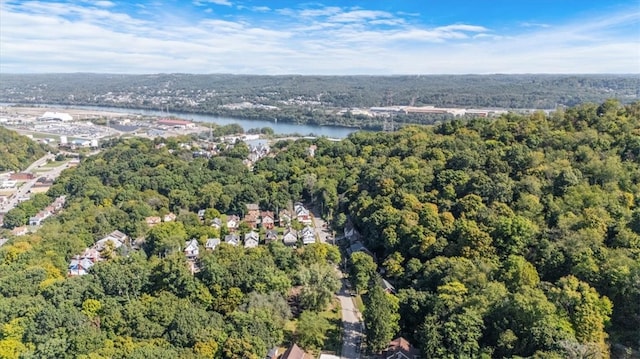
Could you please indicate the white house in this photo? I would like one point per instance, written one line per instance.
(308, 235)
(212, 243)
(191, 249)
(251, 240)
(290, 237)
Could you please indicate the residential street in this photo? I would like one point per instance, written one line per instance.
(26, 187)
(352, 325)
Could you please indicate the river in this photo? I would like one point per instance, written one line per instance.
(279, 128)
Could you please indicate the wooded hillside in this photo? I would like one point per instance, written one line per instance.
(17, 152)
(518, 236)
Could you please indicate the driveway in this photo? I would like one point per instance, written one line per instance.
(351, 323)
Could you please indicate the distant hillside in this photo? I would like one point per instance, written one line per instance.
(314, 99)
(17, 151)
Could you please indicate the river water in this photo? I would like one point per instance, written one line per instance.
(279, 128)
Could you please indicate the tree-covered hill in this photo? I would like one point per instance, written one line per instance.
(518, 236)
(316, 99)
(17, 152)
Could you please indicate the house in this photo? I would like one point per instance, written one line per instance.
(290, 237)
(35, 221)
(20, 231)
(232, 239)
(216, 223)
(295, 352)
(273, 353)
(267, 219)
(92, 254)
(169, 217)
(201, 214)
(79, 266)
(311, 151)
(308, 235)
(233, 222)
(284, 218)
(358, 247)
(387, 287)
(153, 220)
(212, 243)
(116, 237)
(400, 348)
(302, 214)
(191, 249)
(252, 219)
(253, 208)
(251, 240)
(270, 236)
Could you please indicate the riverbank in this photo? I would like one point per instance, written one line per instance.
(279, 127)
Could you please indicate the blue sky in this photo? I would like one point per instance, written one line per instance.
(321, 37)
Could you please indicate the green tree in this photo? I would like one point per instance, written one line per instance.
(381, 318)
(311, 330)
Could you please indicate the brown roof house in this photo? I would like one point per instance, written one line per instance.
(295, 352)
(400, 348)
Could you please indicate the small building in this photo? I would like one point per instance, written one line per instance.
(284, 218)
(232, 239)
(290, 237)
(295, 352)
(400, 348)
(271, 236)
(169, 217)
(233, 222)
(79, 266)
(153, 220)
(216, 223)
(117, 238)
(302, 214)
(308, 235)
(191, 249)
(201, 214)
(20, 231)
(251, 240)
(267, 219)
(212, 243)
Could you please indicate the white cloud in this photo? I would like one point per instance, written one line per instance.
(54, 37)
(217, 2)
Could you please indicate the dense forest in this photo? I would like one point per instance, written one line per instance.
(17, 152)
(316, 100)
(515, 236)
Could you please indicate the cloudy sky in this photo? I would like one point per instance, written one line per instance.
(326, 37)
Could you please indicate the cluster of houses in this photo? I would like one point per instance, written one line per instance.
(36, 220)
(255, 218)
(49, 211)
(81, 263)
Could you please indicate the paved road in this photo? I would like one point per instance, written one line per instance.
(323, 233)
(351, 324)
(26, 187)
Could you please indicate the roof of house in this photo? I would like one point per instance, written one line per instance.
(252, 207)
(212, 242)
(295, 352)
(191, 245)
(231, 239)
(401, 346)
(251, 235)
